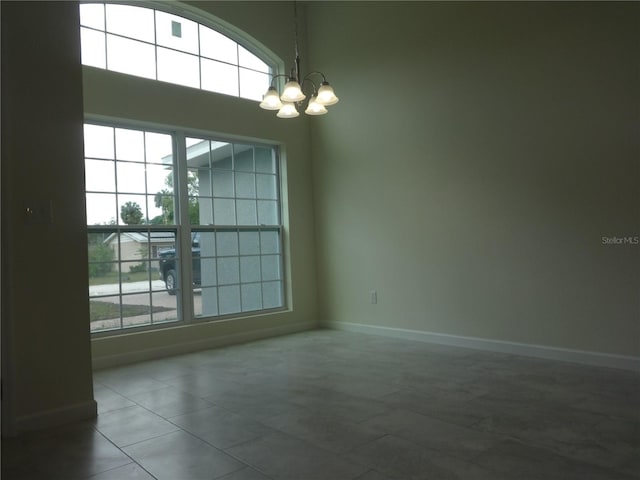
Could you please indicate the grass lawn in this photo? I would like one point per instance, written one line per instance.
(107, 310)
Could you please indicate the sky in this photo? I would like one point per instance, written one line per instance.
(144, 161)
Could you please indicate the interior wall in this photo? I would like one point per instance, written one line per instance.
(118, 96)
(479, 154)
(46, 368)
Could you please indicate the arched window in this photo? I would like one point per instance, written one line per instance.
(156, 44)
(183, 226)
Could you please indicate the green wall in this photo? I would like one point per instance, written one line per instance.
(477, 156)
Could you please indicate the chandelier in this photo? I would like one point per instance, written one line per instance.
(293, 96)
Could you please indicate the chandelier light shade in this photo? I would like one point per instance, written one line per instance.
(326, 96)
(292, 98)
(271, 100)
(315, 108)
(292, 92)
(288, 110)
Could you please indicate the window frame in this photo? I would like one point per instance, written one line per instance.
(192, 13)
(184, 230)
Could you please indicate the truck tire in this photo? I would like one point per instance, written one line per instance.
(170, 282)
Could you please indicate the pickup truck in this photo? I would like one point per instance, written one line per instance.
(167, 264)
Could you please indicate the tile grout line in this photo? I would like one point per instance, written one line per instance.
(124, 453)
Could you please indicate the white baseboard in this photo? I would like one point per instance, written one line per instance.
(540, 351)
(201, 344)
(55, 417)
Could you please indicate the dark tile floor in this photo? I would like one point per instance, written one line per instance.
(334, 405)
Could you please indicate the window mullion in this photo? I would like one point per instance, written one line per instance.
(199, 58)
(181, 189)
(155, 41)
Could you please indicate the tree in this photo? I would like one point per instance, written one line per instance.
(131, 213)
(164, 200)
(100, 258)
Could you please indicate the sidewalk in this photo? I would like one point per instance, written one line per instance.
(131, 287)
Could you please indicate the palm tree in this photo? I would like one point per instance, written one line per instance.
(131, 213)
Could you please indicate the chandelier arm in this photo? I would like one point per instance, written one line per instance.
(315, 72)
(273, 78)
(313, 84)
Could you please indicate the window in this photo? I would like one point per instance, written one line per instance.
(235, 189)
(178, 221)
(158, 45)
(128, 176)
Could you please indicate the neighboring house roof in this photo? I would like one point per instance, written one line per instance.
(144, 237)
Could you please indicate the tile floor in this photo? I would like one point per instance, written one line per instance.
(335, 405)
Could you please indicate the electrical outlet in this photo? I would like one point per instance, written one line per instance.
(374, 296)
